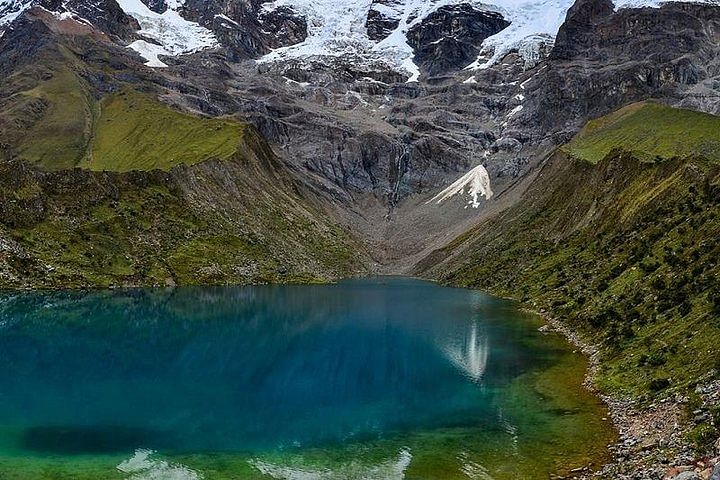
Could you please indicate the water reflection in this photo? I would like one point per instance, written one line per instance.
(470, 355)
(252, 369)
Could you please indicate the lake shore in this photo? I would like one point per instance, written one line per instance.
(652, 439)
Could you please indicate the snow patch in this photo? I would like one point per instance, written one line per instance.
(477, 181)
(532, 24)
(142, 466)
(11, 9)
(150, 52)
(172, 34)
(515, 111)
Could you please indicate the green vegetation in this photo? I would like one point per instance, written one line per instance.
(161, 197)
(58, 124)
(135, 132)
(651, 132)
(60, 135)
(78, 229)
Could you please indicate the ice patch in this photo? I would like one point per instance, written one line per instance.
(532, 23)
(389, 470)
(173, 34)
(476, 180)
(142, 466)
(150, 52)
(11, 9)
(515, 111)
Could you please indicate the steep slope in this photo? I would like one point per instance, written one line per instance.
(623, 250)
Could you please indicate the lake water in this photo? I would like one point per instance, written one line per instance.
(370, 379)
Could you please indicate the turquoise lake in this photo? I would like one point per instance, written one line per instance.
(385, 378)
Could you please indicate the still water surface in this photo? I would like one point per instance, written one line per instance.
(376, 379)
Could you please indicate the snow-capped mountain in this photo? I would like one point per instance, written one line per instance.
(379, 29)
(389, 34)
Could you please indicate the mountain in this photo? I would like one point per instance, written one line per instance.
(564, 153)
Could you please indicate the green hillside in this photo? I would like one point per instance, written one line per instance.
(55, 120)
(651, 131)
(120, 189)
(59, 124)
(135, 132)
(624, 251)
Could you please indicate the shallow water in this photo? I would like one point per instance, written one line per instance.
(375, 379)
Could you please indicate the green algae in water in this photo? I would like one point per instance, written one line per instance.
(374, 379)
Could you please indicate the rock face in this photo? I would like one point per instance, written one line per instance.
(379, 24)
(604, 59)
(106, 15)
(245, 28)
(450, 38)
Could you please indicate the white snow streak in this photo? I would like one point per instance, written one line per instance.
(476, 180)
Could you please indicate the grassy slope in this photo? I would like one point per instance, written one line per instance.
(123, 132)
(60, 137)
(136, 133)
(651, 131)
(206, 224)
(624, 251)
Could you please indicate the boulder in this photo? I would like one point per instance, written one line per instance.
(716, 472)
(690, 475)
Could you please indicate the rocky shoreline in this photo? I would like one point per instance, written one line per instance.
(652, 439)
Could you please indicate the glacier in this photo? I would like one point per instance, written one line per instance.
(165, 34)
(336, 28)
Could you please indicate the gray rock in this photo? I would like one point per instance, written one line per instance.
(450, 38)
(716, 473)
(688, 476)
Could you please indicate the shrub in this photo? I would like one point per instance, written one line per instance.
(703, 437)
(658, 384)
